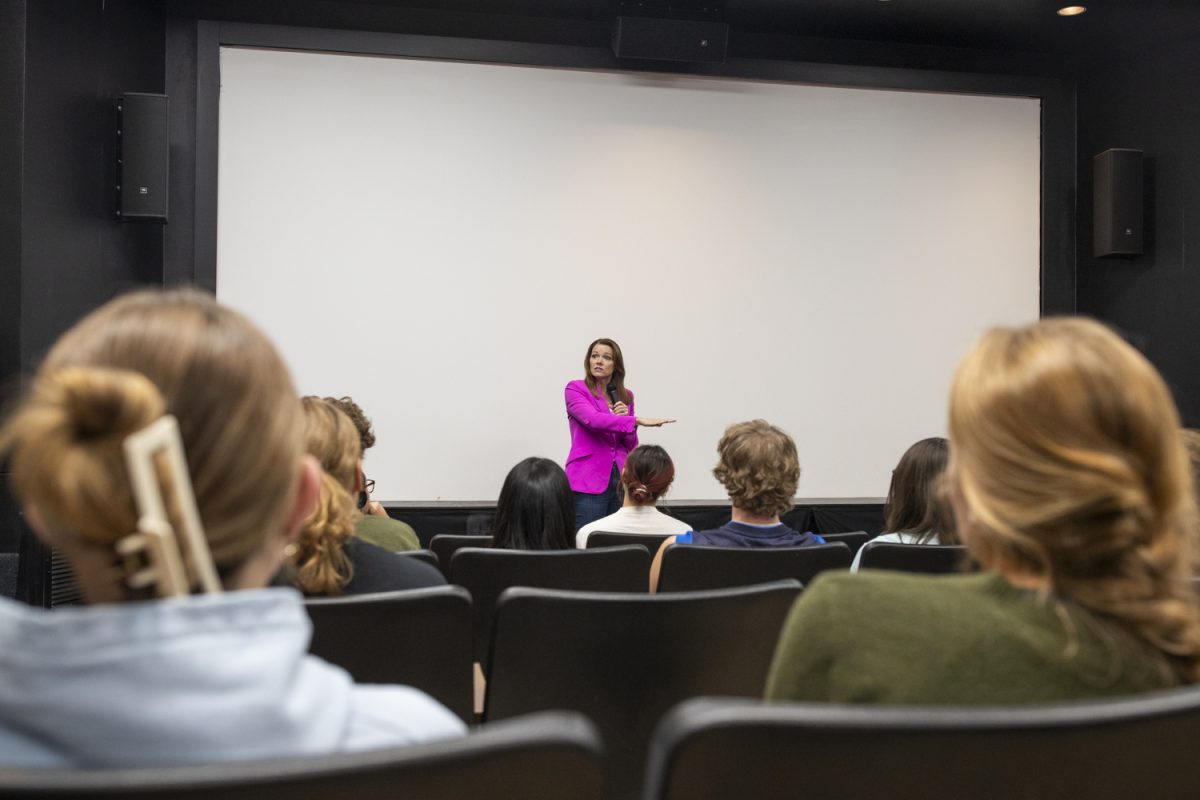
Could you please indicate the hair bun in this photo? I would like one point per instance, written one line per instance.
(641, 493)
(65, 448)
(97, 402)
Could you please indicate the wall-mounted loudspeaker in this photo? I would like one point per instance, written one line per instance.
(652, 39)
(1117, 210)
(142, 157)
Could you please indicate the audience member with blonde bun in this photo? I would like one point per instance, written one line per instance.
(646, 476)
(224, 675)
(328, 559)
(1070, 488)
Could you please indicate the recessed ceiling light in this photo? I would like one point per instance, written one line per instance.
(1071, 11)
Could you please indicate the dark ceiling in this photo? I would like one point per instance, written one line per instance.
(1121, 28)
(1031, 25)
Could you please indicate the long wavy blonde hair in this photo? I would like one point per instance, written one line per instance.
(322, 566)
(120, 369)
(1067, 456)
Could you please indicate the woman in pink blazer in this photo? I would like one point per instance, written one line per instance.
(603, 431)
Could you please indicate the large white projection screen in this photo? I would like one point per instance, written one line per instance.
(442, 240)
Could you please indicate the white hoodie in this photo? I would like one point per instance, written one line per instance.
(195, 680)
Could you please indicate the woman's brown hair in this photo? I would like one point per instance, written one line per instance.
(647, 474)
(118, 370)
(915, 501)
(322, 566)
(1067, 460)
(618, 376)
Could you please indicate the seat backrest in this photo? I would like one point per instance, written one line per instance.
(1100, 750)
(625, 659)
(542, 757)
(419, 637)
(428, 556)
(934, 559)
(691, 568)
(854, 540)
(485, 573)
(610, 539)
(444, 546)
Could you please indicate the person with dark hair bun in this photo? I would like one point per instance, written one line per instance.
(536, 510)
(647, 476)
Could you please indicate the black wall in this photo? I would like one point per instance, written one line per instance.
(62, 252)
(1147, 100)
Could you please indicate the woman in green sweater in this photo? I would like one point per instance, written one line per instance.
(1071, 490)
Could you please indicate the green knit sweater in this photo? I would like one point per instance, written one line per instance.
(894, 638)
(390, 534)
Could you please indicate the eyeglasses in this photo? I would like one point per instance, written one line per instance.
(369, 486)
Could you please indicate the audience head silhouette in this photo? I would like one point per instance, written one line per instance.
(322, 566)
(1068, 474)
(536, 510)
(120, 369)
(915, 501)
(758, 466)
(647, 474)
(366, 433)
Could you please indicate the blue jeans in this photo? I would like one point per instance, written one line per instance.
(591, 507)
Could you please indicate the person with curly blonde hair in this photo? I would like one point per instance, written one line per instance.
(758, 465)
(191, 659)
(1070, 488)
(328, 559)
(374, 524)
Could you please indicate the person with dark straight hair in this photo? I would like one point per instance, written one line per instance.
(536, 510)
(647, 475)
(916, 511)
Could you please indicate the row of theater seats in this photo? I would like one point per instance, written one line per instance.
(612, 564)
(719, 749)
(578, 630)
(622, 659)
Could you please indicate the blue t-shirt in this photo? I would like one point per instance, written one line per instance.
(743, 534)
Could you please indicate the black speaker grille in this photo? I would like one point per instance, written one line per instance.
(64, 589)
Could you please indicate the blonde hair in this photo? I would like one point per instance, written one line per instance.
(1190, 437)
(758, 467)
(1070, 467)
(120, 369)
(322, 566)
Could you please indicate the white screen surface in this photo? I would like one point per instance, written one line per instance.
(441, 241)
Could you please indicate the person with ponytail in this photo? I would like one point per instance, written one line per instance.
(328, 559)
(1070, 488)
(646, 477)
(185, 658)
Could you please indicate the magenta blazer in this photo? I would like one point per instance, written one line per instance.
(598, 438)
